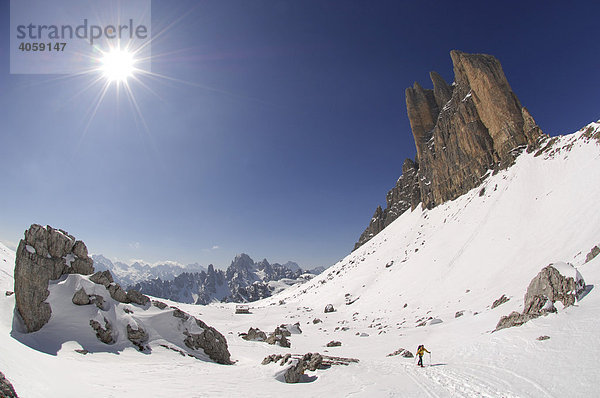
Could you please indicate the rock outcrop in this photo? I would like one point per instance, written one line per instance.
(45, 254)
(461, 131)
(137, 336)
(103, 333)
(254, 334)
(6, 388)
(557, 282)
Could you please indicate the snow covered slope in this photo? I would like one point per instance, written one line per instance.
(457, 258)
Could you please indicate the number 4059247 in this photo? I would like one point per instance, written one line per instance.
(42, 46)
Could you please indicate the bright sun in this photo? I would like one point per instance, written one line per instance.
(117, 65)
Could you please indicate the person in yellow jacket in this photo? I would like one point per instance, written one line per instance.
(420, 352)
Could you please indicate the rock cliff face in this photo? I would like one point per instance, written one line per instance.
(461, 131)
(45, 254)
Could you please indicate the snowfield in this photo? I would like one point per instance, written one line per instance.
(405, 287)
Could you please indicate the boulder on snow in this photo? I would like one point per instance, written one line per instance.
(334, 343)
(271, 358)
(44, 254)
(558, 282)
(117, 293)
(137, 298)
(592, 254)
(137, 336)
(278, 337)
(503, 299)
(159, 304)
(255, 334)
(6, 388)
(291, 329)
(329, 308)
(104, 334)
(316, 320)
(80, 298)
(98, 300)
(402, 352)
(542, 338)
(310, 361)
(103, 278)
(198, 335)
(294, 373)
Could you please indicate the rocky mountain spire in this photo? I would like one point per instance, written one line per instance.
(460, 131)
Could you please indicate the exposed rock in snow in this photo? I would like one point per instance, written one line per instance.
(278, 337)
(503, 299)
(81, 298)
(136, 297)
(6, 388)
(334, 343)
(294, 373)
(255, 334)
(592, 254)
(558, 282)
(402, 352)
(104, 334)
(47, 261)
(137, 336)
(103, 278)
(329, 308)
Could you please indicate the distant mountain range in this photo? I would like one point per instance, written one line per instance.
(129, 274)
(243, 281)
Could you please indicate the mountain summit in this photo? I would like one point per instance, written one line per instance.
(461, 132)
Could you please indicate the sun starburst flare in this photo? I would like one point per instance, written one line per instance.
(117, 65)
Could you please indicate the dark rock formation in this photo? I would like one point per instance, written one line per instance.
(278, 337)
(81, 298)
(461, 131)
(500, 301)
(334, 343)
(137, 298)
(208, 339)
(329, 308)
(310, 361)
(104, 334)
(117, 293)
(548, 287)
(592, 254)
(103, 278)
(138, 337)
(255, 334)
(6, 388)
(45, 254)
(294, 373)
(402, 352)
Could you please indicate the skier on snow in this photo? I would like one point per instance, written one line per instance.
(420, 351)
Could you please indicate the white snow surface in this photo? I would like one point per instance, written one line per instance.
(460, 256)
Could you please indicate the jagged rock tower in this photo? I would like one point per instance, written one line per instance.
(461, 131)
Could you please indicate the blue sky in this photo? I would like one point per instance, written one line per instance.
(284, 131)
